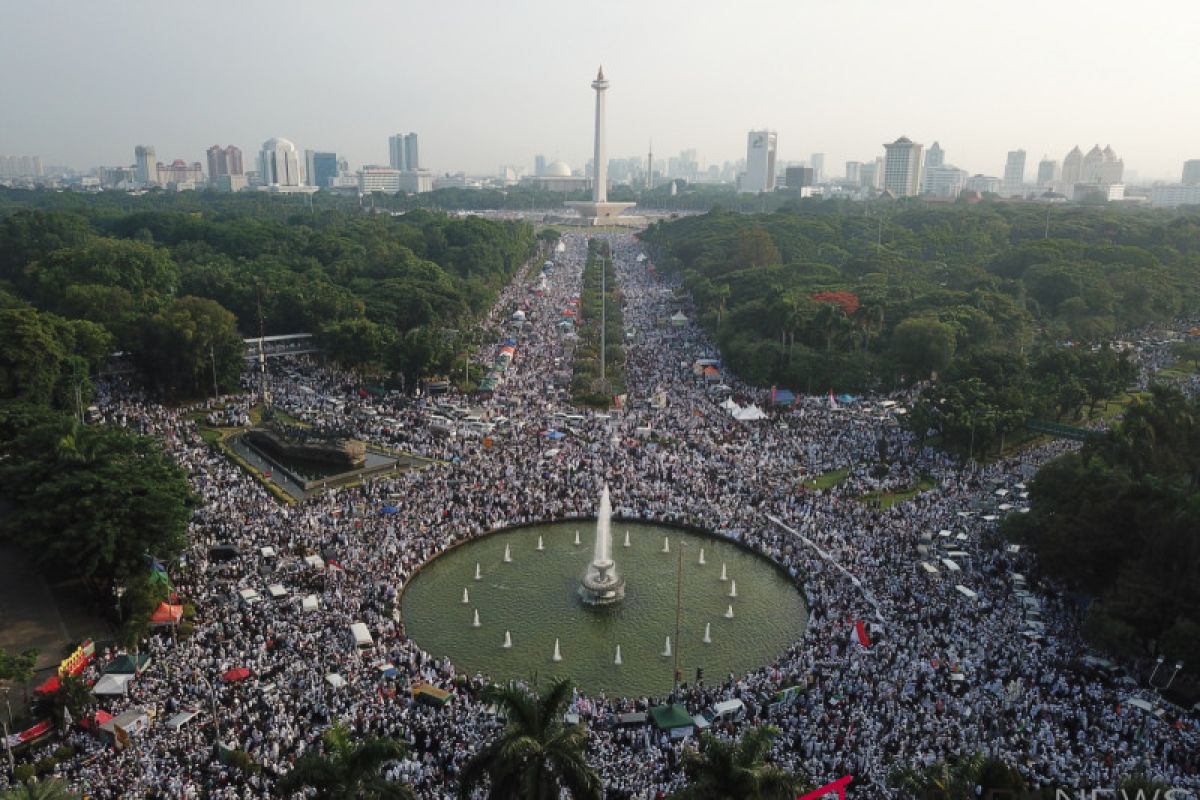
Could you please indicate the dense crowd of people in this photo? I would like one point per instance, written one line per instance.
(946, 672)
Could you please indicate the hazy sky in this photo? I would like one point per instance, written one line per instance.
(494, 82)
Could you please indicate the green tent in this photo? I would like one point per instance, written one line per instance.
(670, 717)
(127, 665)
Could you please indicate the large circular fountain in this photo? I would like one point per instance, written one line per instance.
(535, 600)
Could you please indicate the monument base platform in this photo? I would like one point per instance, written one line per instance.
(594, 213)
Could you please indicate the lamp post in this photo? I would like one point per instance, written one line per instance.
(1158, 662)
(216, 717)
(1178, 666)
(8, 705)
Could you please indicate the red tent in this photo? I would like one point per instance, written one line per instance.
(236, 674)
(166, 614)
(49, 686)
(96, 720)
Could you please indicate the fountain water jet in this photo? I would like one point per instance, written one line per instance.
(577, 538)
(466, 597)
(667, 649)
(507, 640)
(507, 555)
(729, 612)
(618, 660)
(627, 538)
(541, 546)
(475, 624)
(478, 573)
(733, 588)
(557, 653)
(724, 576)
(666, 544)
(708, 632)
(701, 561)
(601, 585)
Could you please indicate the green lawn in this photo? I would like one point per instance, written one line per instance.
(828, 480)
(889, 499)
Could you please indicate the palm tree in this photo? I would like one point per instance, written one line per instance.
(347, 770)
(956, 780)
(737, 770)
(537, 753)
(53, 789)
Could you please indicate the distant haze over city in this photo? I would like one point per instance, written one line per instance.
(491, 84)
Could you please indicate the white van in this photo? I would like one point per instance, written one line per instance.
(362, 636)
(720, 713)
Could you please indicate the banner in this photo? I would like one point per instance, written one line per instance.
(74, 663)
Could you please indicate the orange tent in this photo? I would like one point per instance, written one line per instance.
(166, 614)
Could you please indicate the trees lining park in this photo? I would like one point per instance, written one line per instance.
(999, 303)
(178, 283)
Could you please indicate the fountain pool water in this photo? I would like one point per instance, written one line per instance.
(538, 602)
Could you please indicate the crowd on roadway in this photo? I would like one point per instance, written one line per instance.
(946, 672)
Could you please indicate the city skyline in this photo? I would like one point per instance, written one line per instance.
(703, 93)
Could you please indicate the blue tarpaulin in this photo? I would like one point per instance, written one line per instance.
(390, 510)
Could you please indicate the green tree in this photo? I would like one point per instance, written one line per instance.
(51, 789)
(923, 346)
(956, 779)
(347, 770)
(93, 500)
(73, 695)
(537, 754)
(183, 345)
(737, 770)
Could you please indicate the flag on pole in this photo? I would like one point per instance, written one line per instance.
(860, 634)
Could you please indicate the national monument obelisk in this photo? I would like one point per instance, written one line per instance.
(598, 210)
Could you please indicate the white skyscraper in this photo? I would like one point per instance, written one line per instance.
(817, 162)
(146, 165)
(760, 163)
(278, 163)
(1014, 173)
(902, 168)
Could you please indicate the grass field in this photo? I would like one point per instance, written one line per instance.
(889, 499)
(828, 480)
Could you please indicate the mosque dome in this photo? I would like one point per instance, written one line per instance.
(557, 169)
(279, 144)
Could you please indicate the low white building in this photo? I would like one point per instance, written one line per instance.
(1173, 195)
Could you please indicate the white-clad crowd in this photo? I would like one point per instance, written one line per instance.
(945, 673)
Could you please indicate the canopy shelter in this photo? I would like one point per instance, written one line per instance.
(335, 680)
(782, 397)
(127, 664)
(749, 414)
(965, 592)
(236, 674)
(109, 685)
(671, 717)
(166, 614)
(430, 694)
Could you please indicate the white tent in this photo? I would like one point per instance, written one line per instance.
(730, 405)
(309, 603)
(112, 684)
(749, 414)
(335, 680)
(965, 592)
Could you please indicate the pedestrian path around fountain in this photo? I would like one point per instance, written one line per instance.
(534, 599)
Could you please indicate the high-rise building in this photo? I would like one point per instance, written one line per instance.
(852, 171)
(539, 165)
(798, 177)
(935, 156)
(403, 153)
(817, 162)
(396, 157)
(1014, 173)
(319, 168)
(223, 161)
(1047, 172)
(944, 180)
(379, 179)
(1101, 166)
(146, 165)
(760, 162)
(871, 174)
(1072, 167)
(1191, 172)
(412, 156)
(902, 167)
(180, 174)
(278, 163)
